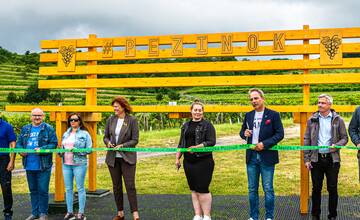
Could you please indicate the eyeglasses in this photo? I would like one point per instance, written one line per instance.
(37, 115)
(73, 120)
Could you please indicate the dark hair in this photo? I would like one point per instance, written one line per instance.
(81, 124)
(124, 104)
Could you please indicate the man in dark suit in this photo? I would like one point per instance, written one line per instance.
(262, 127)
(354, 132)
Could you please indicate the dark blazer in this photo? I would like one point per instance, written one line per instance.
(204, 134)
(129, 137)
(271, 133)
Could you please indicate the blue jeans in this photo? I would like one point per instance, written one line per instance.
(79, 172)
(255, 167)
(38, 181)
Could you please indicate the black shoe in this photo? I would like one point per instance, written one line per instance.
(69, 216)
(315, 217)
(332, 218)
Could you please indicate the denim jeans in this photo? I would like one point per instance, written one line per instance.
(38, 181)
(255, 168)
(5, 180)
(79, 172)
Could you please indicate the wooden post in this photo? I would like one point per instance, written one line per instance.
(304, 173)
(91, 99)
(59, 180)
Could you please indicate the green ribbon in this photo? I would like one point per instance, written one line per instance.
(173, 150)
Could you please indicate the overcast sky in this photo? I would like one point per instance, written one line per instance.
(24, 23)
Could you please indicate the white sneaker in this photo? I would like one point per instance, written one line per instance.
(250, 219)
(197, 217)
(206, 217)
(268, 219)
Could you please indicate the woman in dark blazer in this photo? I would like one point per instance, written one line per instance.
(122, 130)
(198, 167)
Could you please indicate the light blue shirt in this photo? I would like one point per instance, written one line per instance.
(324, 133)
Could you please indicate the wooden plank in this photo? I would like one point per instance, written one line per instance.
(178, 108)
(201, 67)
(304, 173)
(257, 80)
(193, 52)
(59, 180)
(91, 99)
(211, 37)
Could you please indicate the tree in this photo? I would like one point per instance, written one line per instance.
(174, 95)
(159, 97)
(12, 97)
(36, 95)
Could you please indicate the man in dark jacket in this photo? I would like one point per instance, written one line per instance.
(354, 132)
(264, 128)
(324, 128)
(7, 139)
(38, 135)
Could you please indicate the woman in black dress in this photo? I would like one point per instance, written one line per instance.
(198, 167)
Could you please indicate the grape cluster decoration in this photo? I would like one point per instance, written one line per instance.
(331, 45)
(67, 54)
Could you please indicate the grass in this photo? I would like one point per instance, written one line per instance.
(158, 175)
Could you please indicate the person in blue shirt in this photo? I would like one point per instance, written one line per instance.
(38, 135)
(7, 139)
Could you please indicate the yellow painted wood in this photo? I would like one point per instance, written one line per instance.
(67, 56)
(59, 180)
(304, 174)
(331, 48)
(201, 67)
(212, 38)
(201, 51)
(91, 99)
(202, 81)
(253, 44)
(178, 108)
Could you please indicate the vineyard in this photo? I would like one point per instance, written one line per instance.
(17, 79)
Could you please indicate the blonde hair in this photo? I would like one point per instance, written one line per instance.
(197, 102)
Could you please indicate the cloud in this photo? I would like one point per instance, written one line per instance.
(24, 23)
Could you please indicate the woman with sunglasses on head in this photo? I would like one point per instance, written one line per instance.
(75, 164)
(121, 130)
(198, 167)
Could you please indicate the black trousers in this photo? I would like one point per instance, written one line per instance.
(325, 167)
(122, 169)
(5, 180)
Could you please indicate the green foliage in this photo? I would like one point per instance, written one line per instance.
(36, 95)
(132, 98)
(174, 96)
(12, 97)
(159, 97)
(56, 98)
(17, 121)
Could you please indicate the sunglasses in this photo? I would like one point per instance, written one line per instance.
(73, 120)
